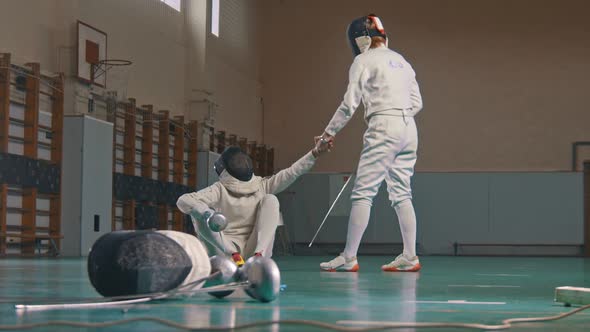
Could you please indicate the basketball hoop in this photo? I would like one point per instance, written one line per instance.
(102, 66)
(118, 76)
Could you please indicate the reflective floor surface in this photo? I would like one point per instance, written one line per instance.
(482, 290)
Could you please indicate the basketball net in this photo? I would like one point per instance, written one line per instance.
(117, 74)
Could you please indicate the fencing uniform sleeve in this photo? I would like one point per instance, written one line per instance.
(284, 178)
(199, 202)
(415, 97)
(352, 99)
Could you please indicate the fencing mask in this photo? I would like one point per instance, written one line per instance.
(361, 30)
(141, 262)
(236, 162)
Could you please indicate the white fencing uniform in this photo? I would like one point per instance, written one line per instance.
(385, 82)
(250, 207)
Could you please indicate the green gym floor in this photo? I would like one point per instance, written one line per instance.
(449, 289)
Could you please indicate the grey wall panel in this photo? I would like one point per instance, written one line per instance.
(383, 225)
(337, 185)
(205, 173)
(467, 208)
(97, 180)
(544, 208)
(71, 185)
(450, 207)
(304, 205)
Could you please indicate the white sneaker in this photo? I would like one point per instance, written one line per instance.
(403, 264)
(341, 264)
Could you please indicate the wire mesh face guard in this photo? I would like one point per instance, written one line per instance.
(236, 162)
(361, 30)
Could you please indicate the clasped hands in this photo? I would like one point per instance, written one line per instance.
(323, 144)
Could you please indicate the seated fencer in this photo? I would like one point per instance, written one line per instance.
(246, 201)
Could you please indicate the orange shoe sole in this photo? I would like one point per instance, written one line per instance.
(393, 269)
(354, 269)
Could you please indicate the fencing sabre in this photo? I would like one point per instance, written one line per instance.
(330, 210)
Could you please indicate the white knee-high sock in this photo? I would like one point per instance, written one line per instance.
(407, 224)
(357, 224)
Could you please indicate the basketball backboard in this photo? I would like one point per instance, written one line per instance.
(92, 48)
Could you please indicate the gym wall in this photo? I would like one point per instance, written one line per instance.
(153, 40)
(170, 59)
(31, 42)
(504, 82)
(150, 34)
(233, 68)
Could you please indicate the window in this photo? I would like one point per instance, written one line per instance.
(215, 17)
(173, 3)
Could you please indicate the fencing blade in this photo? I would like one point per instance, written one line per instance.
(330, 210)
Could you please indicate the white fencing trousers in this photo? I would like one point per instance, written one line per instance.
(390, 144)
(268, 219)
(260, 240)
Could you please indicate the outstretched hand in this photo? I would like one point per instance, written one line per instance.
(323, 144)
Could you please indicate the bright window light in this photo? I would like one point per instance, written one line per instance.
(215, 17)
(173, 3)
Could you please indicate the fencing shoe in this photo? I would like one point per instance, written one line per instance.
(403, 264)
(341, 264)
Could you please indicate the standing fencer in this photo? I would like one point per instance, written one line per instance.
(386, 84)
(247, 202)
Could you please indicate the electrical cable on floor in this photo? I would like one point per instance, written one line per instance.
(507, 323)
